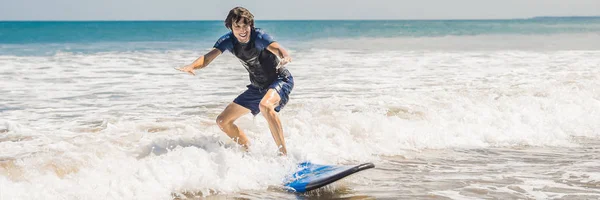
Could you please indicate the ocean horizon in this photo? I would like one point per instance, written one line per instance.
(335, 19)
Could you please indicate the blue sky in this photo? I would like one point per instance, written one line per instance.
(286, 9)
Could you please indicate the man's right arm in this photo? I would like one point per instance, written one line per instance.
(201, 62)
(204, 60)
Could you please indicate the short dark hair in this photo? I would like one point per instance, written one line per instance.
(238, 14)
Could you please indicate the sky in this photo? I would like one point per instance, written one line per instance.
(288, 9)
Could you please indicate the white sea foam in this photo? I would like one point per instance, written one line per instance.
(127, 125)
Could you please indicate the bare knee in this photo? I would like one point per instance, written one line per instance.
(266, 106)
(223, 121)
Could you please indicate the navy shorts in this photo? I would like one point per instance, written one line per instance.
(252, 96)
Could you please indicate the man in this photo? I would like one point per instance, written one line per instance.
(271, 83)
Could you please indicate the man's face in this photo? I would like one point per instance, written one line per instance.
(241, 31)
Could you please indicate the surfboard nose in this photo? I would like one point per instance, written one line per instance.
(365, 166)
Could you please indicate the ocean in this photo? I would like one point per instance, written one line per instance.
(445, 109)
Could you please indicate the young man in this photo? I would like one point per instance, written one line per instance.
(264, 59)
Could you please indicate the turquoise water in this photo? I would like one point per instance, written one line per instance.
(35, 38)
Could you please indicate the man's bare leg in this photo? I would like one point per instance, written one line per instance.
(267, 108)
(225, 121)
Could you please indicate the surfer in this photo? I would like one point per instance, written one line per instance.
(270, 82)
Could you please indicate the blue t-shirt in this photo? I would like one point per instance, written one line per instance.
(261, 40)
(260, 62)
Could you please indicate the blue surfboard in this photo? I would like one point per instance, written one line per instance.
(311, 176)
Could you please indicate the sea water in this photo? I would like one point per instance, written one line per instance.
(445, 109)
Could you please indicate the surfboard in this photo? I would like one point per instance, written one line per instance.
(312, 176)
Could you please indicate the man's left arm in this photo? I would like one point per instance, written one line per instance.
(278, 50)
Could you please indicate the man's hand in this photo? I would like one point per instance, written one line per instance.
(188, 69)
(285, 60)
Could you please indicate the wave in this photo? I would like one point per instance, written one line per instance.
(127, 125)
